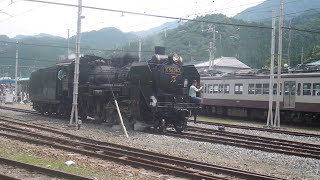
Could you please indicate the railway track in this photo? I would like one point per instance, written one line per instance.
(11, 128)
(15, 170)
(252, 142)
(293, 133)
(244, 140)
(19, 110)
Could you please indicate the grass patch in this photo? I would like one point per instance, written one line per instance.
(30, 158)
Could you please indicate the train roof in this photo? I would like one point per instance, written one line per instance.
(261, 76)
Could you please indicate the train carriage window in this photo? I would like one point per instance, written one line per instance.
(226, 88)
(202, 90)
(316, 89)
(299, 89)
(265, 88)
(258, 88)
(275, 88)
(251, 89)
(210, 88)
(293, 89)
(306, 89)
(220, 88)
(238, 88)
(205, 88)
(286, 89)
(215, 88)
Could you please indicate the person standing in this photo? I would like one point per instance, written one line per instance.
(194, 99)
(193, 92)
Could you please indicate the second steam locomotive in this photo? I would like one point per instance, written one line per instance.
(153, 92)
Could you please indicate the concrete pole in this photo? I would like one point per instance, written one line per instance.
(74, 112)
(302, 56)
(16, 73)
(68, 44)
(139, 50)
(210, 56)
(190, 51)
(165, 33)
(273, 37)
(277, 115)
(214, 42)
(289, 46)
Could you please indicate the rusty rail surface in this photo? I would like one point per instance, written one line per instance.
(127, 155)
(39, 169)
(293, 133)
(238, 142)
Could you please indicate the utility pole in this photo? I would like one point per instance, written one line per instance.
(139, 50)
(212, 46)
(277, 115)
(74, 111)
(165, 33)
(302, 56)
(273, 37)
(214, 42)
(16, 73)
(191, 59)
(289, 45)
(68, 44)
(210, 56)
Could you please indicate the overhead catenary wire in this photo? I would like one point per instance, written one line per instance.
(302, 30)
(65, 47)
(151, 15)
(31, 59)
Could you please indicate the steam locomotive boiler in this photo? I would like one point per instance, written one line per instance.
(153, 92)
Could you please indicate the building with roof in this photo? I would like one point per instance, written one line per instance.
(315, 63)
(223, 65)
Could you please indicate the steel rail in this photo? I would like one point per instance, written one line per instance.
(268, 147)
(100, 146)
(293, 133)
(46, 171)
(277, 141)
(108, 155)
(6, 177)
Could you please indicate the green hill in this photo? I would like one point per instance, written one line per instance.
(190, 39)
(292, 8)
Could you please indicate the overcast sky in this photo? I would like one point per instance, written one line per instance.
(29, 18)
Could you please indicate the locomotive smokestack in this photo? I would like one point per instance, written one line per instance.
(160, 50)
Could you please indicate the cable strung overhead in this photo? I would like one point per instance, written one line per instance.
(151, 15)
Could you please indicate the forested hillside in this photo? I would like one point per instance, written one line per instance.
(190, 39)
(292, 8)
(250, 45)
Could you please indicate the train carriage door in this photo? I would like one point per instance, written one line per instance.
(289, 96)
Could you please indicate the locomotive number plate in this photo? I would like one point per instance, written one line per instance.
(173, 70)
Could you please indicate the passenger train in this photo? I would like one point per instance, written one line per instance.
(248, 96)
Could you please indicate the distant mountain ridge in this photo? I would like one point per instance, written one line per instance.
(263, 11)
(41, 35)
(163, 27)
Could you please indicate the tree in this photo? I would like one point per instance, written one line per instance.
(315, 55)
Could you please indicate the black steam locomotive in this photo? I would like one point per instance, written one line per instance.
(153, 92)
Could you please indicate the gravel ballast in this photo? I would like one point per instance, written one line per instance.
(279, 165)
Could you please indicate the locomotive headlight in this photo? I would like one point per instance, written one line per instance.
(185, 84)
(175, 58)
(180, 61)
